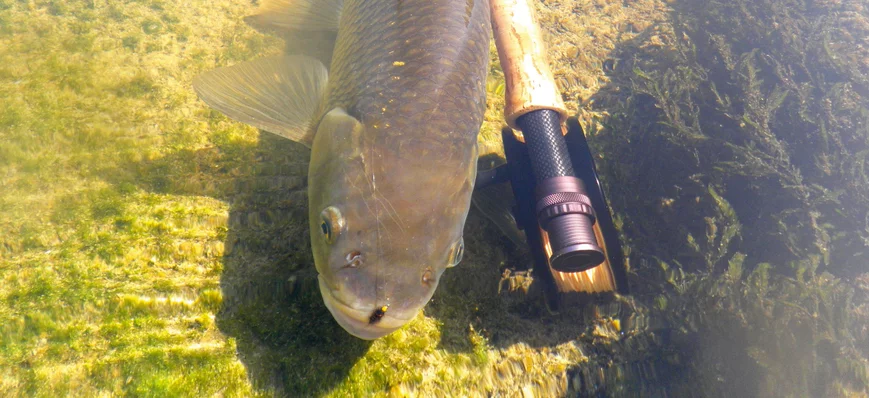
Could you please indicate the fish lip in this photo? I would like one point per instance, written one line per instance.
(354, 320)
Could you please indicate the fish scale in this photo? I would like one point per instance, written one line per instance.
(440, 57)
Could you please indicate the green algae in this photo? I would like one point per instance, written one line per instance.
(100, 274)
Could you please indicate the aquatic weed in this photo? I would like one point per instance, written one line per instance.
(727, 114)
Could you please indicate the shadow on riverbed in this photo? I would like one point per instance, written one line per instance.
(284, 335)
(271, 303)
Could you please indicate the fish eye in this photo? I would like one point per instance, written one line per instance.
(331, 223)
(457, 252)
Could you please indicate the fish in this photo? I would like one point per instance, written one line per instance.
(391, 115)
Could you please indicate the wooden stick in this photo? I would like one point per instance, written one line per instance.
(530, 87)
(529, 82)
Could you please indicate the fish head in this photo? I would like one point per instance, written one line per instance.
(384, 227)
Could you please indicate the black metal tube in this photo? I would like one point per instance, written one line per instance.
(563, 208)
(546, 145)
(522, 183)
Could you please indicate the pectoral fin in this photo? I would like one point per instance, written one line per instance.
(496, 203)
(278, 94)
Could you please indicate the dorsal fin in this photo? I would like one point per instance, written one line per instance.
(279, 94)
(309, 27)
(295, 15)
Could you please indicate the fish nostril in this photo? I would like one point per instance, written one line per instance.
(427, 277)
(354, 259)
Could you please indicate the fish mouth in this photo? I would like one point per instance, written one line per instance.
(357, 321)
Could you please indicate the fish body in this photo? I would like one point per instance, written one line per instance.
(392, 125)
(413, 74)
